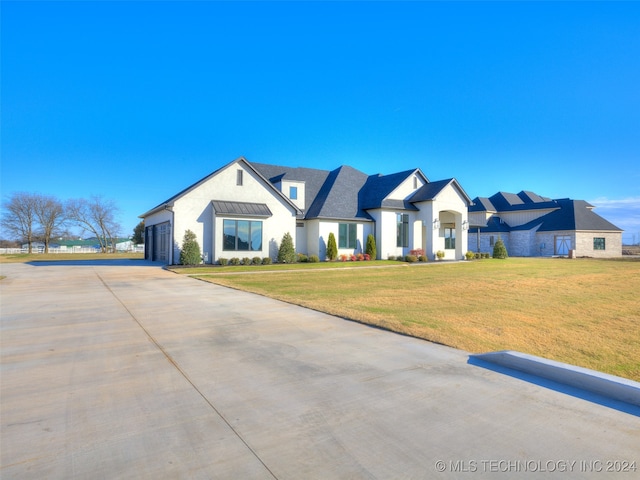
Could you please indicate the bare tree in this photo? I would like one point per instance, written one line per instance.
(50, 215)
(19, 217)
(97, 216)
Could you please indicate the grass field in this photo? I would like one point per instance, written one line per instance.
(584, 311)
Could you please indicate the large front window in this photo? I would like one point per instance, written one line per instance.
(242, 235)
(347, 235)
(403, 230)
(450, 238)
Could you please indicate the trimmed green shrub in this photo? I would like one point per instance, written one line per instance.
(423, 258)
(410, 259)
(256, 261)
(477, 255)
(499, 250)
(314, 259)
(190, 253)
(469, 255)
(234, 261)
(440, 254)
(391, 257)
(485, 255)
(302, 258)
(266, 261)
(223, 261)
(370, 248)
(246, 261)
(332, 247)
(286, 252)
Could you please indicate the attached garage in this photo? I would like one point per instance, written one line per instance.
(157, 242)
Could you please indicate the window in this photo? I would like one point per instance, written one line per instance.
(242, 235)
(598, 243)
(492, 240)
(403, 230)
(293, 193)
(415, 183)
(347, 235)
(239, 177)
(449, 238)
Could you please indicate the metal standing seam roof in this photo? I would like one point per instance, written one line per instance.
(243, 209)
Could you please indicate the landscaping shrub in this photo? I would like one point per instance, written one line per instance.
(313, 259)
(256, 261)
(332, 247)
(423, 258)
(223, 261)
(417, 252)
(353, 258)
(246, 261)
(367, 257)
(410, 259)
(469, 255)
(266, 261)
(485, 255)
(440, 254)
(499, 250)
(286, 252)
(343, 258)
(360, 257)
(477, 255)
(302, 258)
(234, 261)
(190, 253)
(371, 248)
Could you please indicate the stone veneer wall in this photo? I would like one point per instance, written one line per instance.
(613, 244)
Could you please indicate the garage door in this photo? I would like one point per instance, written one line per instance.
(161, 242)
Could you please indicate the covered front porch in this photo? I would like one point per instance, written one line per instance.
(446, 231)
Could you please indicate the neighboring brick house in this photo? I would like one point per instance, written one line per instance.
(243, 210)
(531, 225)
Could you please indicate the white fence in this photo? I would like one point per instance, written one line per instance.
(14, 251)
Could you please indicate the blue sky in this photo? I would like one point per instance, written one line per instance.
(135, 101)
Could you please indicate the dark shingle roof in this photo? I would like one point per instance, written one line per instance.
(572, 215)
(511, 202)
(482, 204)
(338, 197)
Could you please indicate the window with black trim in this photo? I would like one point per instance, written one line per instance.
(242, 235)
(347, 235)
(239, 177)
(598, 243)
(449, 238)
(402, 230)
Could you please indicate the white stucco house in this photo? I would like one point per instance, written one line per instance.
(243, 209)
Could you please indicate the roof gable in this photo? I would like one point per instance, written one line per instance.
(431, 190)
(378, 188)
(238, 161)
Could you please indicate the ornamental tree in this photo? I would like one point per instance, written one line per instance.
(286, 252)
(332, 247)
(190, 253)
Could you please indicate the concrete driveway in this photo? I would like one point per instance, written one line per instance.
(129, 371)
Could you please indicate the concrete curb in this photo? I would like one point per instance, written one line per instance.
(610, 386)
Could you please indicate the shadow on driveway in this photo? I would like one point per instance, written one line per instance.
(558, 387)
